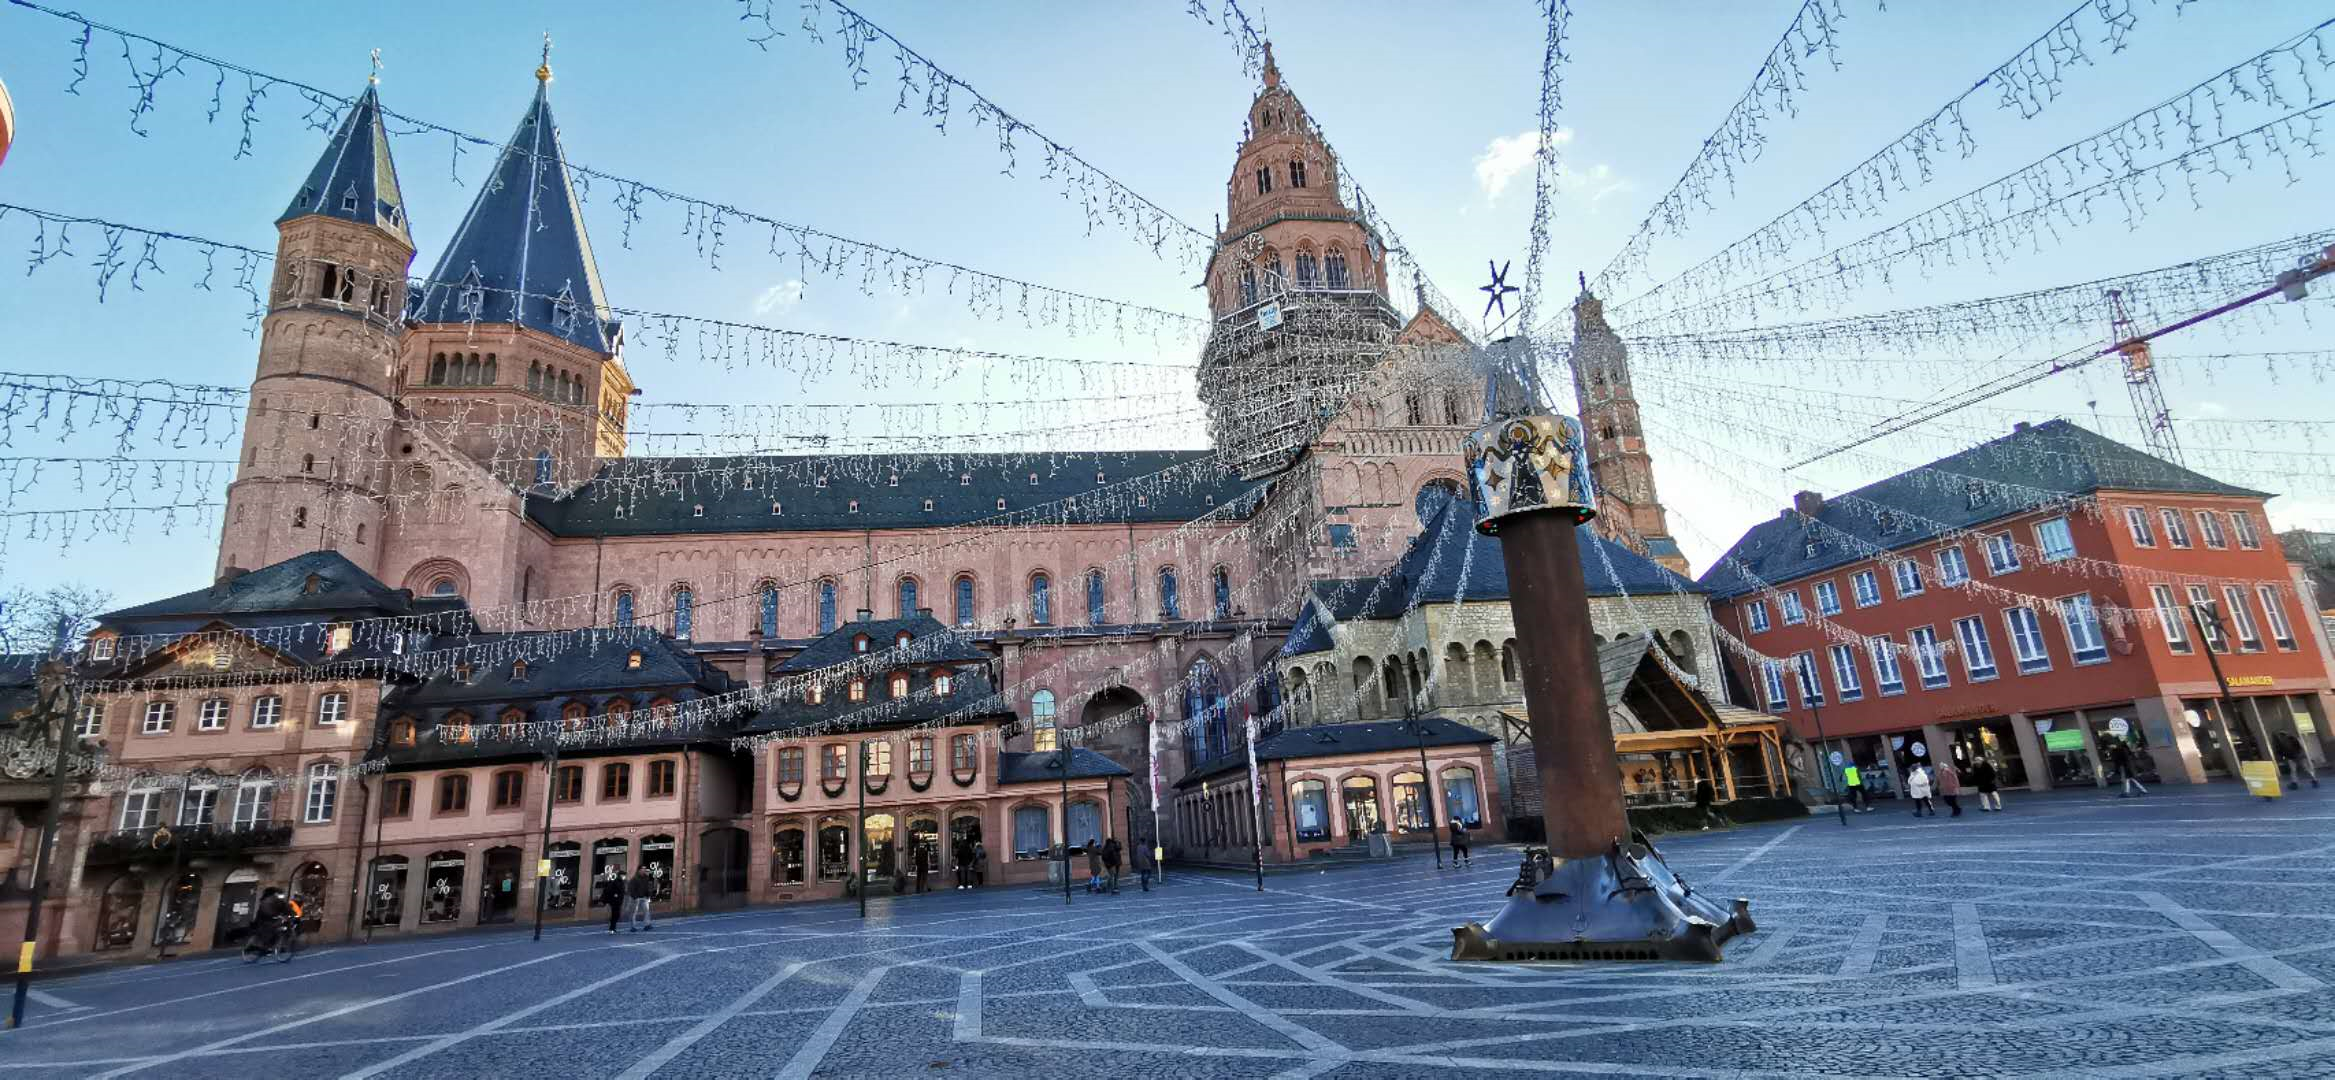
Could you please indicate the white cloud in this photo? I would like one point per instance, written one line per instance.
(781, 297)
(2213, 408)
(1510, 156)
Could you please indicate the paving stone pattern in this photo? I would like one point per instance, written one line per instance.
(2071, 936)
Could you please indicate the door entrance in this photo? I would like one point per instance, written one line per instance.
(238, 908)
(498, 898)
(722, 883)
(964, 844)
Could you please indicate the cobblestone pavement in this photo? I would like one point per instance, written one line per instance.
(2188, 934)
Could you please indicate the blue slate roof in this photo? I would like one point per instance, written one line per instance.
(523, 242)
(1045, 766)
(597, 672)
(339, 586)
(659, 496)
(1332, 740)
(353, 179)
(838, 646)
(2031, 466)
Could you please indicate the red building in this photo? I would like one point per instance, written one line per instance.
(2028, 601)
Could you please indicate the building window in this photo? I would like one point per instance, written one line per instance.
(2242, 523)
(898, 685)
(91, 723)
(920, 756)
(1248, 285)
(1297, 174)
(1341, 537)
(324, 785)
(1794, 614)
(1757, 613)
(212, 716)
(2055, 540)
(299, 517)
(624, 609)
(1772, 673)
(1170, 606)
(827, 614)
(1264, 180)
(878, 760)
(1889, 677)
(664, 775)
(198, 803)
(2242, 618)
(684, 611)
(2002, 557)
(1308, 271)
(1908, 575)
(2170, 617)
(1811, 684)
(856, 690)
(569, 786)
(2276, 613)
(453, 794)
(1827, 598)
(331, 709)
(2027, 640)
(790, 766)
(2216, 632)
(1929, 657)
(142, 805)
(1043, 734)
(1033, 832)
(2137, 520)
(1220, 588)
(2209, 527)
(1334, 269)
(1867, 585)
(769, 611)
(1845, 676)
(615, 781)
(2082, 623)
(1041, 599)
(1953, 567)
(255, 800)
(964, 601)
(510, 789)
(943, 684)
(1977, 650)
(907, 596)
(2176, 530)
(397, 798)
(961, 751)
(158, 718)
(1094, 598)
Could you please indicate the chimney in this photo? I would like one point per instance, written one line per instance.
(925, 612)
(866, 615)
(756, 659)
(1808, 503)
(2021, 428)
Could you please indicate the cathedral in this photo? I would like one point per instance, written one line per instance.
(435, 548)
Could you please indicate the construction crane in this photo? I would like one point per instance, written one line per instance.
(2140, 376)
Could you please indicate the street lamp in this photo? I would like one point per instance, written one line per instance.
(1816, 712)
(1412, 723)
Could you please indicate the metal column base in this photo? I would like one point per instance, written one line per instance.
(1623, 905)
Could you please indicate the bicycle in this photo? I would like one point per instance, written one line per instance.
(282, 946)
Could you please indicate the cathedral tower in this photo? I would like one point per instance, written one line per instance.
(1297, 285)
(514, 358)
(1629, 511)
(309, 478)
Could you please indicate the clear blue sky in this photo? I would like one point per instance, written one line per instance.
(1421, 106)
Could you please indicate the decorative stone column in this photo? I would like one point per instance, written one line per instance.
(2031, 752)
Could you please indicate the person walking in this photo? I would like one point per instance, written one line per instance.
(1459, 844)
(1949, 781)
(1984, 778)
(1852, 782)
(1704, 795)
(980, 863)
(1140, 859)
(612, 894)
(1917, 788)
(1111, 864)
(1094, 865)
(962, 854)
(2120, 756)
(642, 890)
(2296, 761)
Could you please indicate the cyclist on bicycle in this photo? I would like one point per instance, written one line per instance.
(274, 914)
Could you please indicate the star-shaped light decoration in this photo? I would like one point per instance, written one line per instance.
(1498, 289)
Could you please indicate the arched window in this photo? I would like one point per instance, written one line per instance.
(1306, 277)
(1411, 802)
(307, 463)
(898, 685)
(1220, 589)
(255, 799)
(769, 610)
(1094, 597)
(624, 608)
(324, 785)
(1204, 713)
(1032, 832)
(964, 600)
(1043, 735)
(534, 378)
(1041, 599)
(1248, 285)
(1334, 265)
(907, 596)
(438, 370)
(543, 467)
(487, 374)
(444, 586)
(1170, 605)
(684, 610)
(1311, 801)
(1508, 661)
(1460, 799)
(826, 605)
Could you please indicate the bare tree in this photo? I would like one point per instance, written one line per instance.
(30, 618)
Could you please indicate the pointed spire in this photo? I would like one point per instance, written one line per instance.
(1272, 70)
(523, 243)
(354, 179)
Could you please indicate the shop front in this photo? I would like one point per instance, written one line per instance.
(2067, 754)
(567, 867)
(442, 896)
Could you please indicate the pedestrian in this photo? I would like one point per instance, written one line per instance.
(1459, 843)
(980, 863)
(963, 855)
(923, 866)
(1949, 781)
(1094, 864)
(2296, 760)
(1704, 795)
(1853, 782)
(1141, 860)
(1917, 787)
(1111, 863)
(1984, 778)
(612, 894)
(643, 890)
(2120, 756)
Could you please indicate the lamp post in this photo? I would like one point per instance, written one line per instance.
(860, 872)
(1062, 759)
(543, 856)
(1816, 712)
(1418, 731)
(2200, 612)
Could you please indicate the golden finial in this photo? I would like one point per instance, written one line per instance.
(543, 74)
(375, 78)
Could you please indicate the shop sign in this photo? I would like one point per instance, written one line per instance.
(662, 845)
(441, 864)
(2236, 681)
(2069, 739)
(2119, 726)
(617, 848)
(2303, 724)
(2262, 779)
(1920, 750)
(1836, 758)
